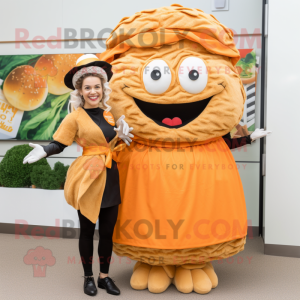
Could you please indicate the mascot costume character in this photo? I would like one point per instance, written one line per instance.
(183, 203)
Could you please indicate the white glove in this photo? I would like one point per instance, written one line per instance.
(34, 155)
(259, 133)
(124, 130)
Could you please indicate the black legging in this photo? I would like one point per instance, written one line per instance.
(107, 221)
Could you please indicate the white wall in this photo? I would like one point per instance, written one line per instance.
(47, 16)
(244, 17)
(282, 198)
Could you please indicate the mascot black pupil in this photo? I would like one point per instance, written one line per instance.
(193, 75)
(155, 74)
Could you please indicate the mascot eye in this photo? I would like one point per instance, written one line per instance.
(193, 75)
(157, 76)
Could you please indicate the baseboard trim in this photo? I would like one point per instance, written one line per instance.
(37, 231)
(282, 250)
(67, 232)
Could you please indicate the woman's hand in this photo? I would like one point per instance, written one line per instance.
(259, 133)
(124, 130)
(36, 154)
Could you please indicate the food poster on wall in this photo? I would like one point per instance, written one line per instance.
(247, 67)
(33, 97)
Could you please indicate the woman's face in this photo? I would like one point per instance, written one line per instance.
(92, 91)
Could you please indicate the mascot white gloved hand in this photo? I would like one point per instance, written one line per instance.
(124, 130)
(259, 133)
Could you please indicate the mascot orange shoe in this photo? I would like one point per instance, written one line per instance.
(183, 204)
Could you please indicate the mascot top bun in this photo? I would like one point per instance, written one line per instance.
(182, 197)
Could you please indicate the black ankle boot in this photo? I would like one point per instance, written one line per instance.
(89, 286)
(108, 284)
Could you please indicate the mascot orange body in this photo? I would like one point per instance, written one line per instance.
(182, 198)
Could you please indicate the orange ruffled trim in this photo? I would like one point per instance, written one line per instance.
(174, 145)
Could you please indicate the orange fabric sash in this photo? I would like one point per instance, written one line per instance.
(103, 150)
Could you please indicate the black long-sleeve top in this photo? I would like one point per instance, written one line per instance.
(237, 142)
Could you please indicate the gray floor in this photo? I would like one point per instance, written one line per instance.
(264, 277)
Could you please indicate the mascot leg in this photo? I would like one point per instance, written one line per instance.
(156, 278)
(139, 277)
(183, 280)
(210, 272)
(200, 279)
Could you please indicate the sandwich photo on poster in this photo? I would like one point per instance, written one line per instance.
(33, 97)
(247, 68)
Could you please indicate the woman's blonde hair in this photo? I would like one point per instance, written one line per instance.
(78, 101)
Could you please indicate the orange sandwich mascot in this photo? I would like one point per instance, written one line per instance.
(183, 203)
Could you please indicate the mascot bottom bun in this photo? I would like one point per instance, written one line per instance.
(178, 88)
(24, 89)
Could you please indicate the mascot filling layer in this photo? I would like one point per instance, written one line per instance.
(182, 198)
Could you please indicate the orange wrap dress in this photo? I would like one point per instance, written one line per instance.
(86, 177)
(179, 196)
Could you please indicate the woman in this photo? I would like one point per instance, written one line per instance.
(92, 179)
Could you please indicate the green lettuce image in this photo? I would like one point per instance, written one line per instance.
(41, 123)
(247, 63)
